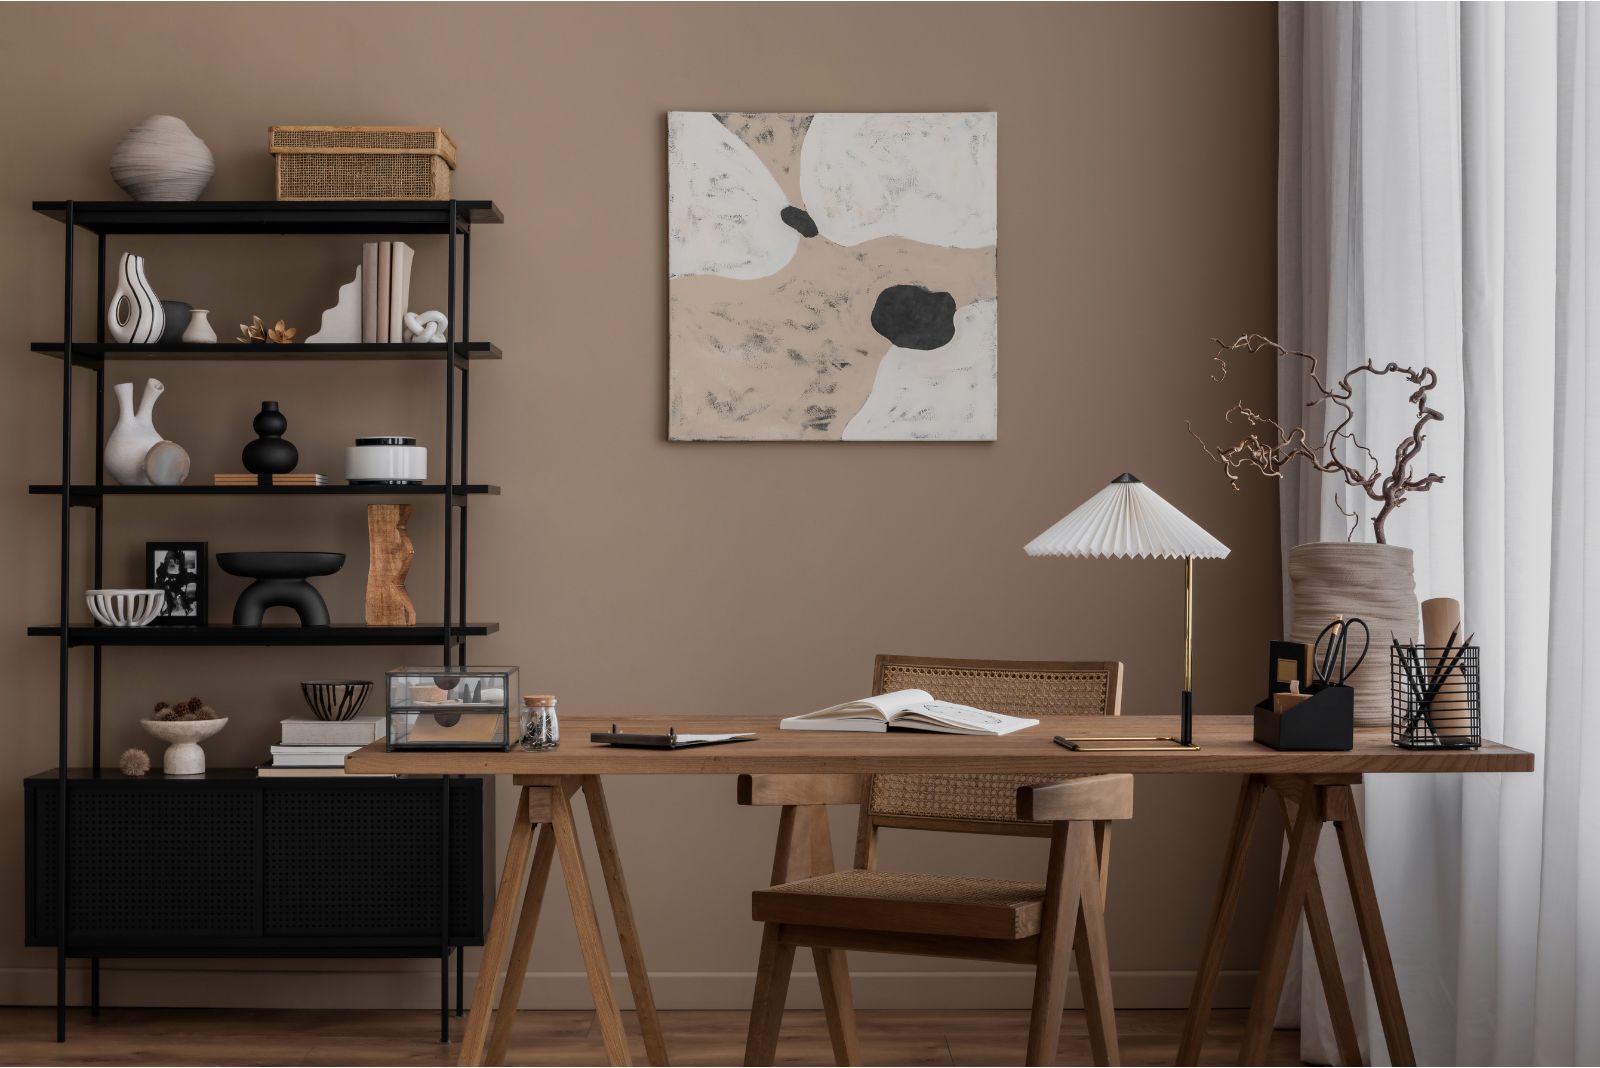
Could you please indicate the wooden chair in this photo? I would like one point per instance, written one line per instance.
(810, 904)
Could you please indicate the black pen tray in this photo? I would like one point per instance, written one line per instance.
(1325, 720)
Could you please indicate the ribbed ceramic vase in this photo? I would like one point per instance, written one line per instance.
(162, 159)
(1374, 582)
(134, 315)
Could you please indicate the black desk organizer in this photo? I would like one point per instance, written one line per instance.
(1325, 720)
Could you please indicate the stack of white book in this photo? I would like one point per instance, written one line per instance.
(317, 747)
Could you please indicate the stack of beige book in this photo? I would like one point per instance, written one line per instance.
(277, 480)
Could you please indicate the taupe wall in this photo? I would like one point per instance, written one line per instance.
(631, 575)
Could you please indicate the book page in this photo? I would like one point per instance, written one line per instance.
(961, 717)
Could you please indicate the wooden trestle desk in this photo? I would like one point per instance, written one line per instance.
(1314, 788)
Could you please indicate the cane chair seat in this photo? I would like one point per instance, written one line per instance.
(907, 902)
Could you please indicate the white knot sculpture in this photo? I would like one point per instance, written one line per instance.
(428, 327)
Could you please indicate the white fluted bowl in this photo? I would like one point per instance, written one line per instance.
(184, 755)
(125, 608)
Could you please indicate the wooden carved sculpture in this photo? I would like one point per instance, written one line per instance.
(388, 604)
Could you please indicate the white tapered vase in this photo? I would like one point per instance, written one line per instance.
(135, 315)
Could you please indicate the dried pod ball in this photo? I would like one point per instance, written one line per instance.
(166, 713)
(135, 762)
(205, 712)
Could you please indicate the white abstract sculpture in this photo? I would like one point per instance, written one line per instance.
(342, 322)
(136, 454)
(429, 327)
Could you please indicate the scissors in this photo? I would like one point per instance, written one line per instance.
(1332, 650)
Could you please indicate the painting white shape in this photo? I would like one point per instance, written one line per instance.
(723, 204)
(943, 394)
(930, 178)
(342, 322)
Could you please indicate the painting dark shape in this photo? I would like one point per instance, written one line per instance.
(913, 317)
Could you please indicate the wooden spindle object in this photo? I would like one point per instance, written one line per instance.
(388, 603)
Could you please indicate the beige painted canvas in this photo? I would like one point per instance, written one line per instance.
(832, 277)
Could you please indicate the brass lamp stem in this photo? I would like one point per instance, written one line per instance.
(1188, 621)
(1186, 716)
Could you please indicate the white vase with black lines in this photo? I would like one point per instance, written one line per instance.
(134, 315)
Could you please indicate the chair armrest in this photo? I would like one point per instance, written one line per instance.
(1094, 797)
(801, 789)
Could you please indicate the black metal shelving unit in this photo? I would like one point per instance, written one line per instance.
(454, 220)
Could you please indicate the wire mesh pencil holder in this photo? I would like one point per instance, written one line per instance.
(1434, 697)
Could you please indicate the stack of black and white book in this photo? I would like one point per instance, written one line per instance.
(311, 748)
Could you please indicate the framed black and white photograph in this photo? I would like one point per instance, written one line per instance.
(179, 569)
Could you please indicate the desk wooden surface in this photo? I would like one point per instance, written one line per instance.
(1226, 748)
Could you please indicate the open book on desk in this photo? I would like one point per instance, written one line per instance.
(914, 710)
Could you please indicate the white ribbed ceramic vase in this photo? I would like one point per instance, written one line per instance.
(1374, 582)
(162, 159)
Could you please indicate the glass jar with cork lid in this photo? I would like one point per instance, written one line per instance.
(540, 728)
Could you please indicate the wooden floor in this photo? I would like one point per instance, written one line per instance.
(218, 1036)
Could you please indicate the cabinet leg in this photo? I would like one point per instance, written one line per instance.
(94, 986)
(1222, 910)
(444, 997)
(461, 981)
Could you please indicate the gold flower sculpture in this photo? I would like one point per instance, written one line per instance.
(259, 333)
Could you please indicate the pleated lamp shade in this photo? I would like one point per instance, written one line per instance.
(1127, 519)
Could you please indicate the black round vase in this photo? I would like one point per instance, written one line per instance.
(269, 454)
(176, 314)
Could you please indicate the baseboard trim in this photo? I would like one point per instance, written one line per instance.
(292, 985)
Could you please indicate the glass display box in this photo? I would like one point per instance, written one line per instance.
(450, 707)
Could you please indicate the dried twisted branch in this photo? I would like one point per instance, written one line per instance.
(1269, 446)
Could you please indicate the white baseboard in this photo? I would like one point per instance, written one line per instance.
(290, 985)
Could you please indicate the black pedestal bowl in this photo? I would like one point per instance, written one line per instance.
(280, 581)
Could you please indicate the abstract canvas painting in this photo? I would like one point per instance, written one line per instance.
(831, 277)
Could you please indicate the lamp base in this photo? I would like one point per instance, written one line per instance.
(1160, 744)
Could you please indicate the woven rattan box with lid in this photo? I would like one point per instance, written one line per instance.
(362, 162)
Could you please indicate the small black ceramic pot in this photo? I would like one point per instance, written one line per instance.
(177, 313)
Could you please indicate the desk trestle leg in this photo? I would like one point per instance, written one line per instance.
(544, 828)
(1309, 802)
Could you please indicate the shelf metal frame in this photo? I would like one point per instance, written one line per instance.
(453, 220)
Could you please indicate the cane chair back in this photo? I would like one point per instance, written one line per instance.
(985, 803)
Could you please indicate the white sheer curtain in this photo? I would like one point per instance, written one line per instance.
(1440, 205)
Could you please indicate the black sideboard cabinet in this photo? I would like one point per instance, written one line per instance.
(231, 864)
